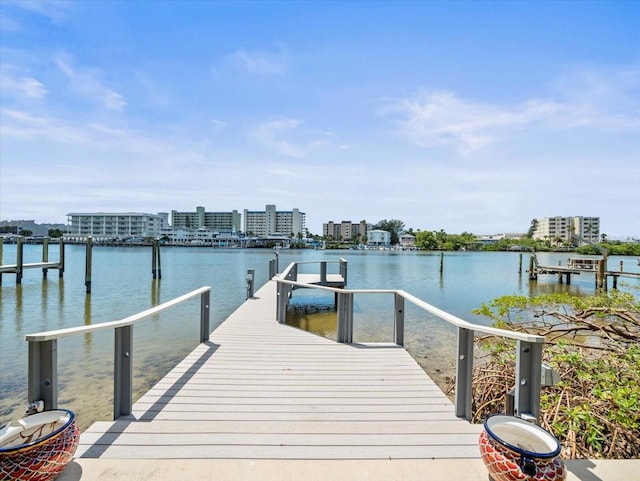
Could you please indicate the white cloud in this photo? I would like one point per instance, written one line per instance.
(286, 137)
(442, 118)
(586, 98)
(85, 81)
(54, 9)
(260, 63)
(23, 86)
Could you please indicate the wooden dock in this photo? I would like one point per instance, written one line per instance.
(267, 391)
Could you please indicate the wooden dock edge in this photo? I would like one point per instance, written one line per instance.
(345, 470)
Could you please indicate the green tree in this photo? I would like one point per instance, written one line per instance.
(532, 228)
(426, 240)
(55, 233)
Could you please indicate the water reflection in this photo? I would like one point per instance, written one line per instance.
(60, 301)
(88, 337)
(155, 292)
(320, 319)
(19, 308)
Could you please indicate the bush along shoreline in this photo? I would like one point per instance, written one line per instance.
(594, 344)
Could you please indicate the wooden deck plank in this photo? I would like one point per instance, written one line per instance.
(262, 390)
(281, 452)
(290, 426)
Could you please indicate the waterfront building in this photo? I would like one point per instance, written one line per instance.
(407, 241)
(114, 225)
(216, 221)
(182, 236)
(564, 228)
(270, 222)
(378, 238)
(346, 230)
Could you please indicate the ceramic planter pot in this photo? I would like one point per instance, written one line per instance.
(513, 449)
(39, 447)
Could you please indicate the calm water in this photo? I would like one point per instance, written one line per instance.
(122, 286)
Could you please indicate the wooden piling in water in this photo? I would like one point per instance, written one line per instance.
(156, 271)
(45, 256)
(87, 267)
(533, 275)
(520, 264)
(61, 260)
(601, 277)
(441, 263)
(19, 259)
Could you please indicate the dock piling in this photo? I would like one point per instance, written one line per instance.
(156, 270)
(19, 259)
(87, 267)
(45, 255)
(520, 264)
(61, 261)
(533, 275)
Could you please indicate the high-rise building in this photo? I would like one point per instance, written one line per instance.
(346, 230)
(564, 228)
(271, 222)
(216, 221)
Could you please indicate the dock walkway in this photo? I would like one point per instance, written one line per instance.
(261, 390)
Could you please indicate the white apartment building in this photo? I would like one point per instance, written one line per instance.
(103, 225)
(345, 230)
(563, 228)
(217, 221)
(270, 222)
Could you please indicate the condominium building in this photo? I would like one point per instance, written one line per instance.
(102, 225)
(345, 230)
(217, 221)
(271, 221)
(564, 228)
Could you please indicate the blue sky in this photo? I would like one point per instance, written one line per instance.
(462, 116)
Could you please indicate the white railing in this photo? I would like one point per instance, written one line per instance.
(528, 346)
(43, 353)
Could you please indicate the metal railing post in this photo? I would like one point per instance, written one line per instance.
(281, 302)
(528, 378)
(323, 273)
(345, 318)
(123, 371)
(43, 373)
(343, 270)
(398, 325)
(205, 315)
(273, 270)
(464, 373)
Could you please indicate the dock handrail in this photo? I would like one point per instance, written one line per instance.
(528, 346)
(43, 353)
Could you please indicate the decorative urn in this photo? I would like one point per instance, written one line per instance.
(513, 449)
(39, 447)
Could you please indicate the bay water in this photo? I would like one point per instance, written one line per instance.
(122, 285)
